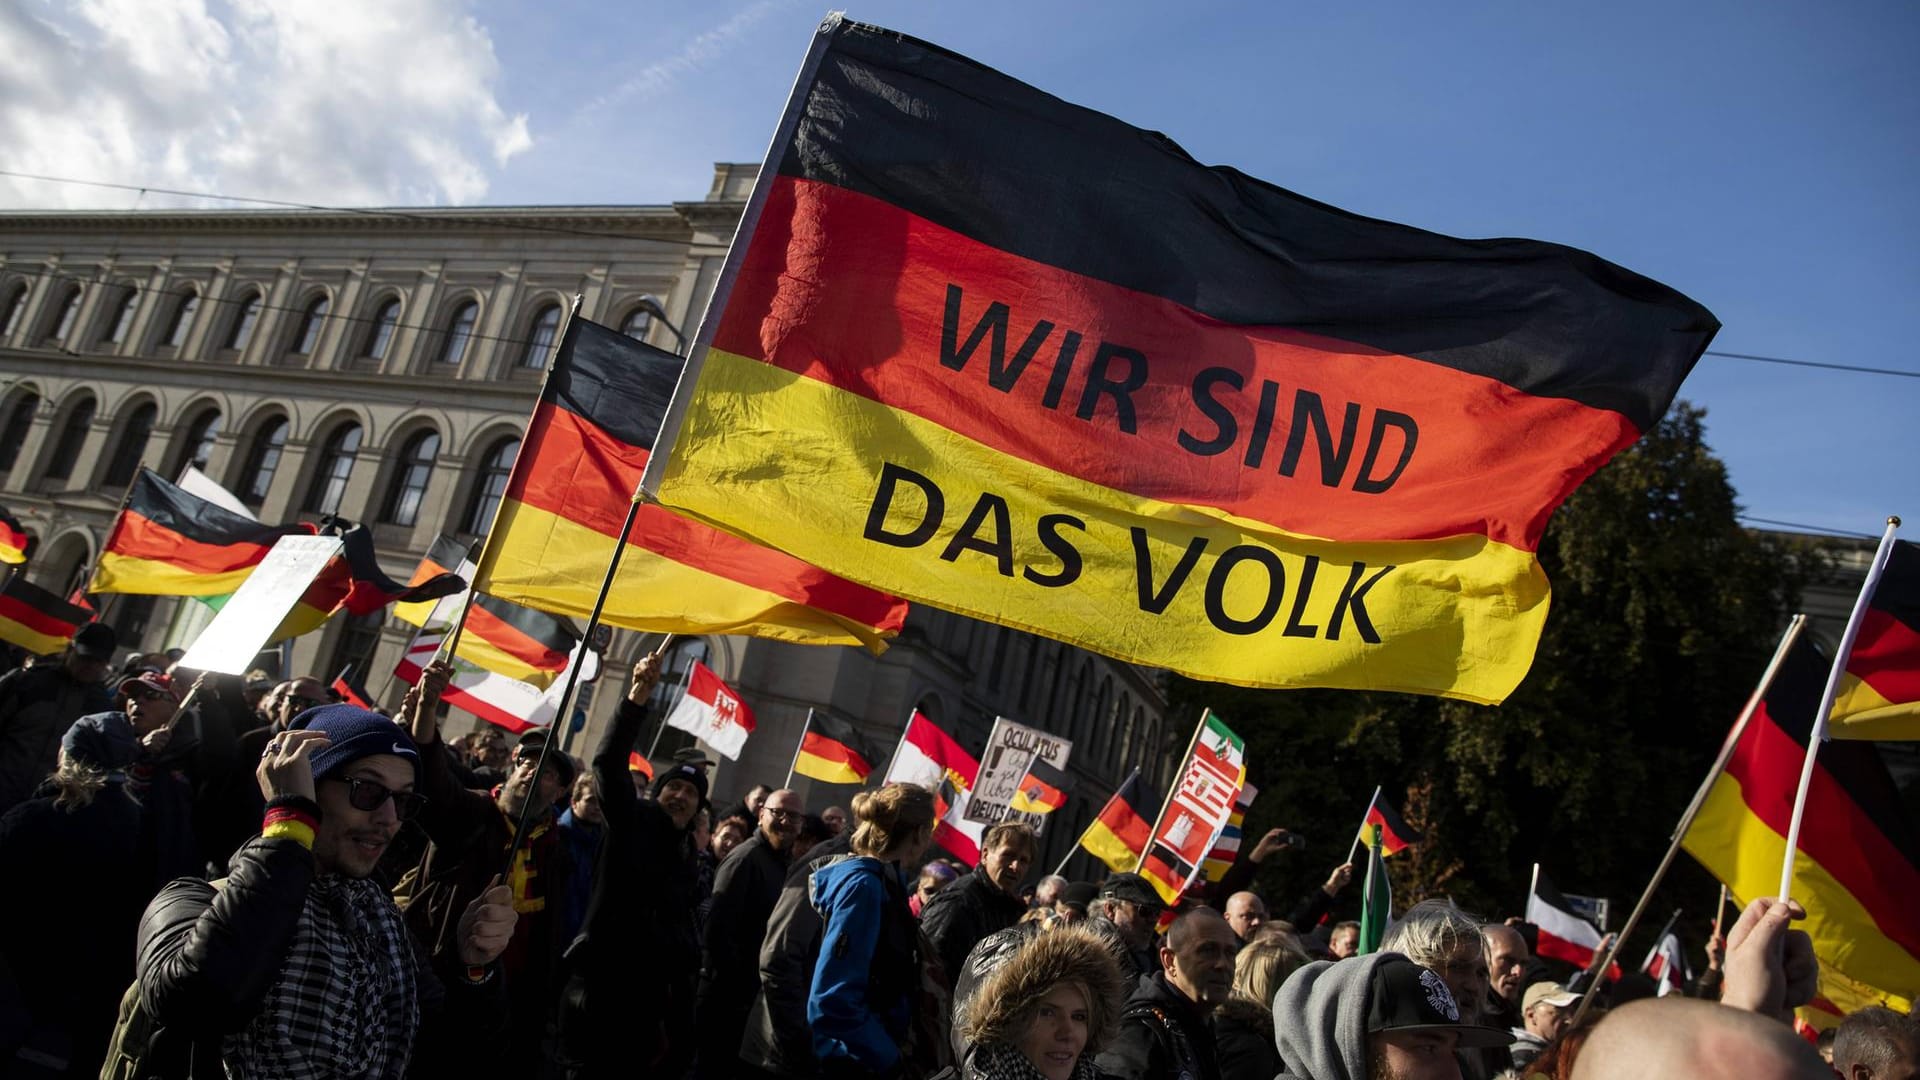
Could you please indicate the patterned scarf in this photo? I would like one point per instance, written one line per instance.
(344, 1004)
(1004, 1061)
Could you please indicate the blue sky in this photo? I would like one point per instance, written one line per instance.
(1758, 156)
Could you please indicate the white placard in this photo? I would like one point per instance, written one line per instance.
(236, 635)
(1004, 763)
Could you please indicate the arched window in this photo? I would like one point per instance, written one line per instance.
(540, 337)
(410, 475)
(16, 306)
(332, 469)
(197, 447)
(123, 318)
(73, 435)
(69, 308)
(132, 447)
(241, 331)
(637, 323)
(380, 334)
(181, 321)
(311, 321)
(490, 486)
(14, 435)
(263, 460)
(453, 348)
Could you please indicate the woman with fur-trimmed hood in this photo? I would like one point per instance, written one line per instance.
(1046, 1010)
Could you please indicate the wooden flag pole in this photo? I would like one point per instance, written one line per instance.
(573, 680)
(654, 746)
(1794, 627)
(1354, 852)
(1161, 818)
(1838, 672)
(804, 728)
(1719, 909)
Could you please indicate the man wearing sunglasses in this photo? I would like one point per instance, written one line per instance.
(301, 964)
(744, 892)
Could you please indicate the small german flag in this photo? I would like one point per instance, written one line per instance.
(499, 636)
(833, 751)
(1880, 695)
(1395, 835)
(1120, 833)
(37, 620)
(168, 541)
(14, 541)
(1044, 790)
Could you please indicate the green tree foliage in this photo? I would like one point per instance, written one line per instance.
(1664, 613)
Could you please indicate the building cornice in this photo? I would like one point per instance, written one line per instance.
(661, 222)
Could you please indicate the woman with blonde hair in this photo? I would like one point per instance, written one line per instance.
(1243, 1027)
(860, 1004)
(1045, 1011)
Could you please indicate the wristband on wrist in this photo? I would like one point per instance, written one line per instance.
(287, 819)
(479, 974)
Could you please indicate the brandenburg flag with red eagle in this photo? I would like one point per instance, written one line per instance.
(982, 348)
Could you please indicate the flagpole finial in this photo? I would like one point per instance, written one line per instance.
(1893, 520)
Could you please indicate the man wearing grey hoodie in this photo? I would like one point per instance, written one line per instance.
(1379, 1017)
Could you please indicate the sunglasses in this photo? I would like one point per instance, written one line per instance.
(367, 795)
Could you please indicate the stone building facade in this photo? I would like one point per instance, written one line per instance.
(380, 365)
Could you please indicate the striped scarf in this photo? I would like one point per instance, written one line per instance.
(344, 1004)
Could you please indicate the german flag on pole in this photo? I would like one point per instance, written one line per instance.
(1858, 865)
(37, 620)
(1880, 697)
(583, 454)
(354, 584)
(1044, 789)
(169, 542)
(831, 749)
(500, 636)
(995, 352)
(14, 540)
(1120, 832)
(1395, 835)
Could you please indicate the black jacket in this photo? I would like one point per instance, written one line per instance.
(744, 891)
(1162, 1036)
(961, 914)
(1243, 1033)
(628, 1004)
(777, 1039)
(37, 706)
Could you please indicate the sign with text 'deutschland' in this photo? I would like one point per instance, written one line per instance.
(1008, 757)
(234, 638)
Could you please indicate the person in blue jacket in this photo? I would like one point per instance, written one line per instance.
(867, 979)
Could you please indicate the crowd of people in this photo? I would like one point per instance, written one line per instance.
(212, 876)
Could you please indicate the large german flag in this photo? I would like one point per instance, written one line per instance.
(1017, 359)
(579, 465)
(1120, 832)
(37, 620)
(831, 749)
(169, 542)
(14, 541)
(500, 636)
(1880, 697)
(1858, 866)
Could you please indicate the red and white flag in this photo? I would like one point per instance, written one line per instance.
(495, 698)
(1563, 934)
(932, 759)
(712, 712)
(1667, 965)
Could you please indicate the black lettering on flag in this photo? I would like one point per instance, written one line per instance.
(891, 476)
(1154, 601)
(1099, 384)
(968, 537)
(1225, 427)
(1353, 597)
(1410, 433)
(1001, 375)
(1308, 411)
(1296, 628)
(1069, 556)
(1217, 589)
(1062, 367)
(1263, 423)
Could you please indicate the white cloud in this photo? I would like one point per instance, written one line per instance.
(342, 102)
(658, 77)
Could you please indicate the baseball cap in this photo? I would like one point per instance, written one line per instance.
(1407, 997)
(1550, 992)
(1131, 888)
(95, 641)
(152, 680)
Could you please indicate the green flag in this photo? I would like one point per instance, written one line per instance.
(1376, 909)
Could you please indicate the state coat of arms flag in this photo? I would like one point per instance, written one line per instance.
(1044, 789)
(930, 757)
(712, 712)
(982, 348)
(1202, 802)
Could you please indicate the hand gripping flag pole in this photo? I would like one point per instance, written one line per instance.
(1834, 677)
(1794, 627)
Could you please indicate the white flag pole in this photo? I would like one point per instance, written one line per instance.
(804, 728)
(1818, 734)
(1371, 803)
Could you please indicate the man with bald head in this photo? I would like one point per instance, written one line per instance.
(1676, 1038)
(1877, 1043)
(1167, 1030)
(1507, 959)
(745, 888)
(1246, 913)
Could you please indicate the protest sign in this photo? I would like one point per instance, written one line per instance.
(1004, 763)
(249, 619)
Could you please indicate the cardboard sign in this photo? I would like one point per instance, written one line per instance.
(1009, 753)
(246, 623)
